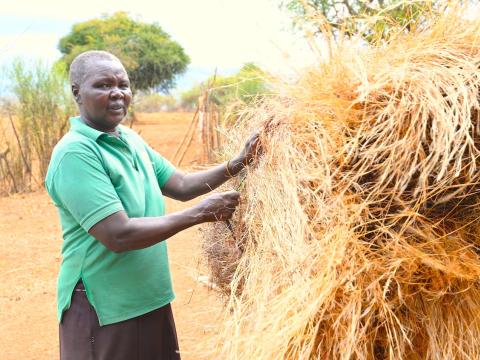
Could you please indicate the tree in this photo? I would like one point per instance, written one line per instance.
(246, 85)
(371, 19)
(151, 58)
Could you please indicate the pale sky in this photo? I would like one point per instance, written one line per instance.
(214, 33)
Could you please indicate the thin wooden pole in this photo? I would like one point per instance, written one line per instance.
(10, 172)
(187, 146)
(25, 162)
(186, 136)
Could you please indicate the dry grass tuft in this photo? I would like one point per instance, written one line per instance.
(359, 233)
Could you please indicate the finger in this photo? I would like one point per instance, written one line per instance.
(229, 209)
(227, 216)
(234, 195)
(252, 138)
(255, 140)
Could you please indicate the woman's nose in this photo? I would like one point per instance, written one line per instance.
(116, 93)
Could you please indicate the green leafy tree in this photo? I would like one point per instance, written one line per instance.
(151, 58)
(371, 19)
(243, 87)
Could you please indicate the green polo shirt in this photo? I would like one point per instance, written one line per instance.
(92, 175)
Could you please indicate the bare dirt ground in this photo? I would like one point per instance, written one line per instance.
(30, 241)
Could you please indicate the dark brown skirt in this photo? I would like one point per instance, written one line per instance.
(151, 336)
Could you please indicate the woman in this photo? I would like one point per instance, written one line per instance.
(108, 186)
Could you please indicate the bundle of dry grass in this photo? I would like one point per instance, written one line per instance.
(360, 226)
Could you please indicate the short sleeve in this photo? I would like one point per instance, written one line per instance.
(163, 168)
(81, 185)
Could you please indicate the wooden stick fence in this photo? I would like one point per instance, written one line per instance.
(204, 125)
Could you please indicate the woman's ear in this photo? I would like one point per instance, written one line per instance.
(76, 93)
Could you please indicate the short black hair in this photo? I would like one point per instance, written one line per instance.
(79, 65)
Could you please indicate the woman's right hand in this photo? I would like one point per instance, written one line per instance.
(218, 207)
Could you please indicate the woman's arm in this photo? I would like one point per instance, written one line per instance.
(185, 187)
(120, 233)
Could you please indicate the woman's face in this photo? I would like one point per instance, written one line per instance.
(104, 95)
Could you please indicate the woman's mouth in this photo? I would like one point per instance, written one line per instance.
(116, 109)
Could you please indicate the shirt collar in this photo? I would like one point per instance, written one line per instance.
(76, 124)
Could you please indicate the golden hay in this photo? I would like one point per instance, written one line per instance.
(359, 229)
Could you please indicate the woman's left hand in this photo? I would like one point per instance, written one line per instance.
(252, 150)
(249, 154)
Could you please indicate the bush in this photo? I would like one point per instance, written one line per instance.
(38, 119)
(150, 103)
